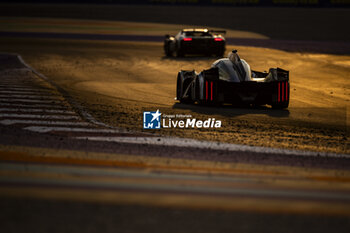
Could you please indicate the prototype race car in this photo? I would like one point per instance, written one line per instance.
(195, 41)
(230, 80)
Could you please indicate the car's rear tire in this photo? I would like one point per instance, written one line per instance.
(167, 50)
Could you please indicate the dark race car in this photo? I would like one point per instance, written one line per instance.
(195, 41)
(230, 80)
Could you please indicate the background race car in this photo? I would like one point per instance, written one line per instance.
(195, 41)
(230, 80)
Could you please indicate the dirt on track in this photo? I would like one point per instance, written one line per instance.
(117, 81)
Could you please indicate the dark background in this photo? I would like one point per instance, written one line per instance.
(279, 23)
(303, 3)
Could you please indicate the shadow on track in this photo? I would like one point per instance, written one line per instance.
(232, 111)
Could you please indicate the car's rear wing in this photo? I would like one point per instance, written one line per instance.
(282, 75)
(211, 74)
(274, 74)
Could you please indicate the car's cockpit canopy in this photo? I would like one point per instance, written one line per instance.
(226, 70)
(233, 69)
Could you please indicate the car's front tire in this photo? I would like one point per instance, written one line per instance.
(167, 50)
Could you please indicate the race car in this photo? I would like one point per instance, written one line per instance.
(230, 80)
(195, 41)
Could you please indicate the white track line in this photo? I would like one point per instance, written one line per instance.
(192, 143)
(44, 129)
(10, 100)
(87, 116)
(35, 110)
(36, 122)
(31, 97)
(36, 116)
(34, 106)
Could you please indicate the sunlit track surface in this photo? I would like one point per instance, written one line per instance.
(28, 100)
(31, 103)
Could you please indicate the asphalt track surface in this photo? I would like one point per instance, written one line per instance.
(87, 70)
(57, 180)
